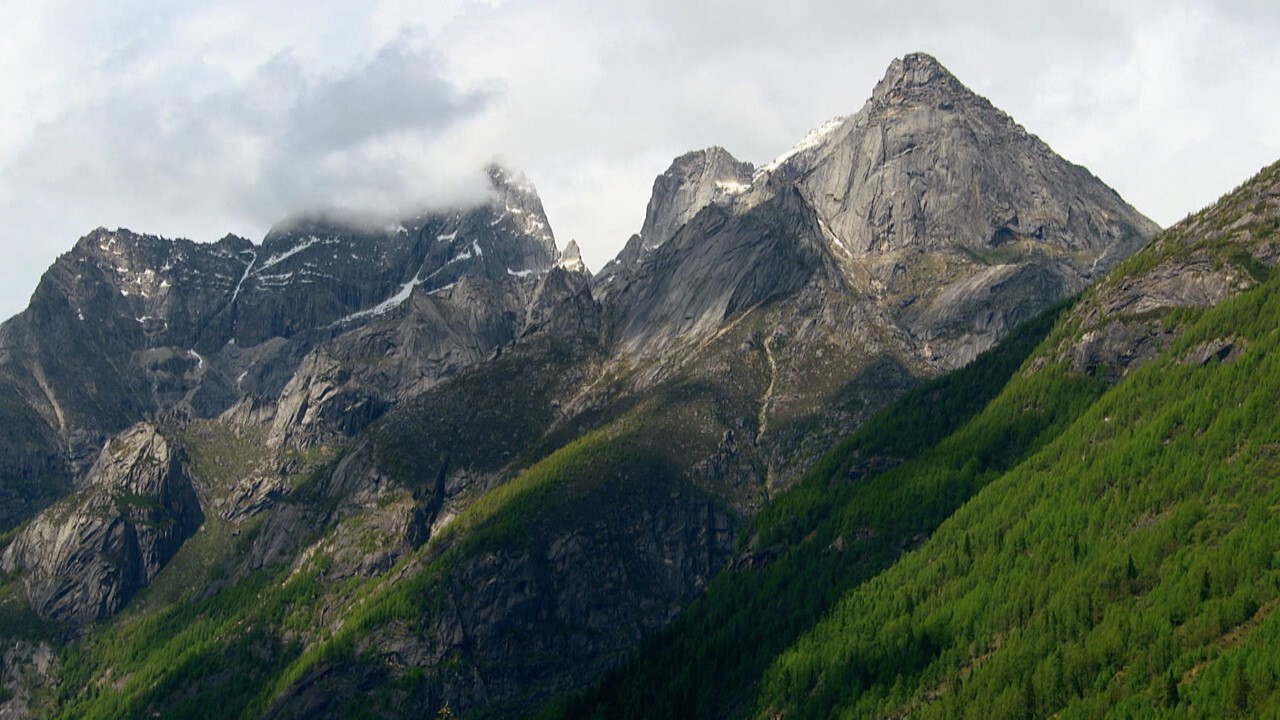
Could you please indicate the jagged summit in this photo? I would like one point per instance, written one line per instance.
(161, 324)
(917, 78)
(501, 177)
(914, 73)
(928, 163)
(694, 180)
(571, 258)
(931, 202)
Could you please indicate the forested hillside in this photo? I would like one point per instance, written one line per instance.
(1092, 534)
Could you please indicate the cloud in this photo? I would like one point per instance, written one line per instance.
(1168, 102)
(201, 118)
(279, 142)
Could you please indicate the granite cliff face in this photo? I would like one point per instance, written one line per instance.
(694, 181)
(1207, 258)
(83, 558)
(162, 325)
(889, 245)
(347, 383)
(455, 467)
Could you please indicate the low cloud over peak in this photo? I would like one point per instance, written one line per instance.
(197, 119)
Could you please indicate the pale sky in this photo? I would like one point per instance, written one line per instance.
(197, 119)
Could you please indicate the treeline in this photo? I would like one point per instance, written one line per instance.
(876, 495)
(1128, 569)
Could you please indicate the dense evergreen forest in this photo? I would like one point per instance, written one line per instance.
(1024, 537)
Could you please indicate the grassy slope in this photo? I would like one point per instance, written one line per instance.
(1130, 568)
(830, 533)
(233, 653)
(950, 627)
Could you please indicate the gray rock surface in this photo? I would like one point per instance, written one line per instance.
(160, 324)
(1208, 257)
(694, 181)
(343, 386)
(571, 258)
(84, 557)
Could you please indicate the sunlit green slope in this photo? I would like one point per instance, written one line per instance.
(1100, 538)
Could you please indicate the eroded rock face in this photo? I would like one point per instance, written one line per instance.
(343, 386)
(83, 558)
(585, 583)
(160, 325)
(694, 181)
(25, 666)
(571, 258)
(509, 629)
(726, 260)
(1198, 263)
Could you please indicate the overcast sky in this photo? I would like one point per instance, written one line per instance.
(197, 119)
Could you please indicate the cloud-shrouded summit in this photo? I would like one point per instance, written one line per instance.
(281, 140)
(197, 119)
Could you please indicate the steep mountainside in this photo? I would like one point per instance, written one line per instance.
(160, 325)
(694, 181)
(1098, 540)
(933, 203)
(890, 245)
(439, 464)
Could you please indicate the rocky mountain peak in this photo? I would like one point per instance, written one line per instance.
(161, 324)
(571, 258)
(928, 164)
(930, 202)
(91, 552)
(694, 180)
(914, 74)
(504, 178)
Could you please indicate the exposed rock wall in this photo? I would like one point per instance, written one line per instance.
(83, 558)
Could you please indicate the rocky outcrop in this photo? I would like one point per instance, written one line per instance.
(83, 558)
(1198, 263)
(508, 629)
(324, 402)
(348, 383)
(24, 667)
(726, 260)
(571, 258)
(562, 306)
(161, 325)
(694, 181)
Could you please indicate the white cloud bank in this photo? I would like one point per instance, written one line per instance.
(207, 118)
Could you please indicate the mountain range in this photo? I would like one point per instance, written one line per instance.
(757, 465)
